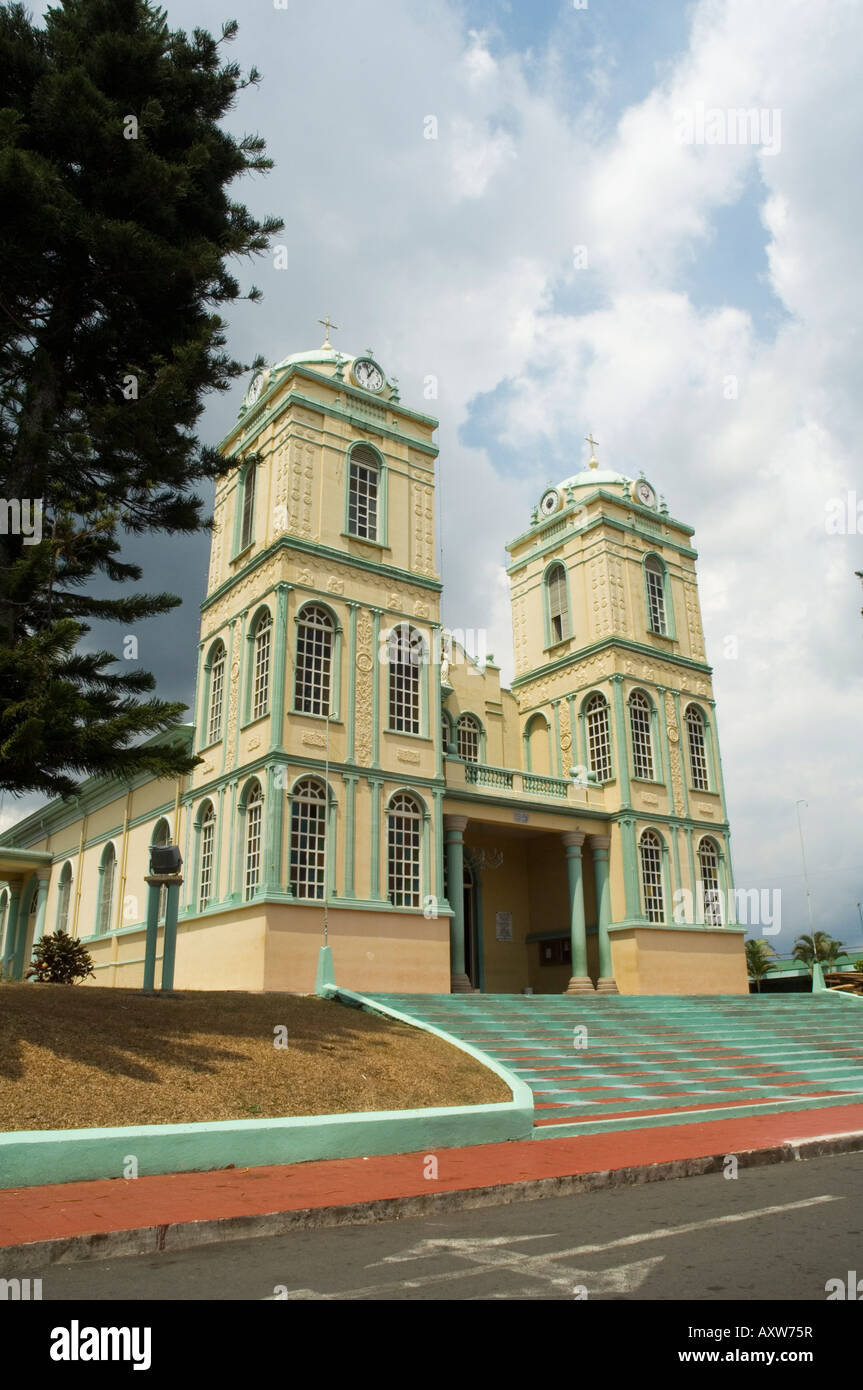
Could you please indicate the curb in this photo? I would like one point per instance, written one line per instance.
(29, 1258)
(33, 1158)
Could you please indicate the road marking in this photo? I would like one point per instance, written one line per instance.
(484, 1254)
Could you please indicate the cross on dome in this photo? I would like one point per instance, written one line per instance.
(327, 324)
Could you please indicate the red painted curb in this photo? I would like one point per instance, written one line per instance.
(72, 1210)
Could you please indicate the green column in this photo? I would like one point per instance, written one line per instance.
(350, 781)
(154, 889)
(44, 876)
(274, 813)
(555, 765)
(12, 930)
(599, 845)
(169, 944)
(454, 828)
(629, 849)
(375, 785)
(376, 689)
(693, 882)
(439, 847)
(280, 664)
(580, 982)
(621, 742)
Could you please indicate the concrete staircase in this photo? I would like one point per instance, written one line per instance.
(628, 1062)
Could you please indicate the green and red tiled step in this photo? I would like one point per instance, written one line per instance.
(641, 1061)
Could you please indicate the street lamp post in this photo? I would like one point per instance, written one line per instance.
(805, 874)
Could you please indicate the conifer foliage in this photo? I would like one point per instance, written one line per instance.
(118, 236)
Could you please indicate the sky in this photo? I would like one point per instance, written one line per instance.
(568, 256)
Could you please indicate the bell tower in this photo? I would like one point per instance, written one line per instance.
(613, 685)
(322, 567)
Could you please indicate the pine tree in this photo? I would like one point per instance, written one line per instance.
(117, 235)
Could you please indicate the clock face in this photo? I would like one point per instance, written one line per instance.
(645, 494)
(256, 388)
(367, 374)
(549, 502)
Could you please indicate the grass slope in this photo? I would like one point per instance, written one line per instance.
(73, 1057)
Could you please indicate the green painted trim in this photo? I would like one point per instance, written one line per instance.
(350, 783)
(321, 553)
(673, 834)
(658, 726)
(352, 684)
(440, 894)
(687, 830)
(521, 1105)
(240, 643)
(375, 794)
(622, 643)
(241, 434)
(31, 1158)
(271, 879)
(280, 665)
(236, 851)
(601, 519)
(629, 853)
(667, 596)
(558, 761)
(380, 667)
(677, 926)
(621, 735)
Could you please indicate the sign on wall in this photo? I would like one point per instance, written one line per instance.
(503, 926)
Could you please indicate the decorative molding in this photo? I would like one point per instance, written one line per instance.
(407, 755)
(365, 664)
(674, 753)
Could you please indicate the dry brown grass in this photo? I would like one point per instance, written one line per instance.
(77, 1057)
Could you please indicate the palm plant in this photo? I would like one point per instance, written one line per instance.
(759, 960)
(818, 947)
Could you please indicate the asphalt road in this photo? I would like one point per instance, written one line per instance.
(779, 1232)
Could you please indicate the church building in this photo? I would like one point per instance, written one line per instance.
(363, 778)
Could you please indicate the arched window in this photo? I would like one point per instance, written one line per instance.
(64, 897)
(162, 836)
(468, 732)
(598, 737)
(708, 865)
(247, 522)
(312, 689)
(406, 650)
(558, 607)
(261, 634)
(107, 880)
(216, 692)
(697, 751)
(642, 744)
(254, 810)
(363, 493)
(308, 839)
(537, 748)
(404, 838)
(206, 852)
(655, 577)
(650, 847)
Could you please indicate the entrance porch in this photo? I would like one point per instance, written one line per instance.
(535, 905)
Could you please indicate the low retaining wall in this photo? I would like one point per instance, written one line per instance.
(29, 1158)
